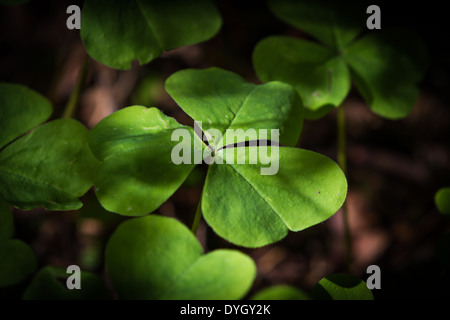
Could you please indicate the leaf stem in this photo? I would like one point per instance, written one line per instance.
(198, 215)
(342, 161)
(71, 106)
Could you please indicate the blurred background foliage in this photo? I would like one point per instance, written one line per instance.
(394, 167)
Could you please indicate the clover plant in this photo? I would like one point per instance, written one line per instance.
(243, 206)
(339, 286)
(259, 184)
(385, 65)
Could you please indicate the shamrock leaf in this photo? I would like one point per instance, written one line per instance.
(118, 32)
(167, 263)
(320, 78)
(253, 194)
(50, 284)
(385, 65)
(341, 287)
(221, 100)
(51, 166)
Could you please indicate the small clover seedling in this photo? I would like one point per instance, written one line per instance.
(249, 209)
(385, 65)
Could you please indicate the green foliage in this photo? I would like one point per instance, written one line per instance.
(341, 287)
(117, 32)
(442, 247)
(166, 262)
(240, 204)
(12, 2)
(281, 292)
(50, 284)
(52, 166)
(128, 155)
(17, 259)
(442, 200)
(137, 174)
(385, 65)
(223, 100)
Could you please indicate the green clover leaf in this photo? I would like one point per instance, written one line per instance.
(52, 166)
(167, 263)
(242, 200)
(442, 200)
(385, 65)
(117, 32)
(18, 261)
(340, 286)
(21, 109)
(222, 100)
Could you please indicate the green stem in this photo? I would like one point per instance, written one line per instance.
(342, 161)
(198, 215)
(71, 106)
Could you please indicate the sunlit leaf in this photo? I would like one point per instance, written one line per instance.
(166, 262)
(385, 65)
(320, 77)
(21, 109)
(137, 174)
(223, 100)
